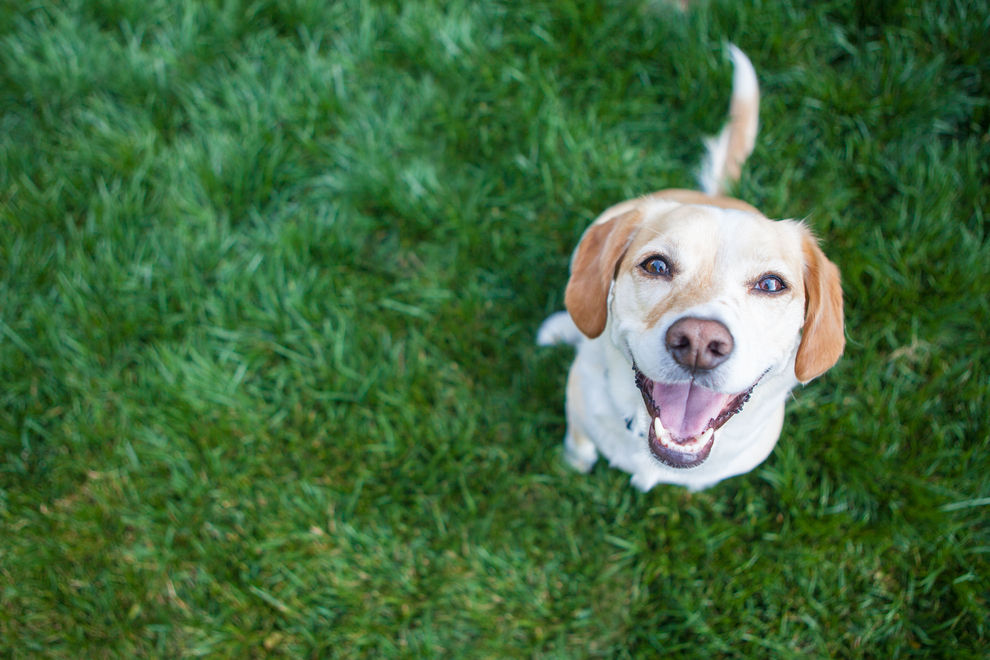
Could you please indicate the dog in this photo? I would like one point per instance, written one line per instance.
(693, 315)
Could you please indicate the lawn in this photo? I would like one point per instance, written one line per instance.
(270, 277)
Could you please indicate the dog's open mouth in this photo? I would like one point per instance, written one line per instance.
(684, 418)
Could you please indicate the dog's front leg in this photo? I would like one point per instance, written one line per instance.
(579, 451)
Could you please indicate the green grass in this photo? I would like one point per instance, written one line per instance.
(270, 274)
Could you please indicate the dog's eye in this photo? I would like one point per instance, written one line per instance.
(656, 265)
(770, 284)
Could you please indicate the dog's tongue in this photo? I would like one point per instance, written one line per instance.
(686, 408)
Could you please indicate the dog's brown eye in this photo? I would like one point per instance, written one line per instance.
(656, 265)
(770, 284)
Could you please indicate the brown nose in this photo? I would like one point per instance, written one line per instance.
(699, 343)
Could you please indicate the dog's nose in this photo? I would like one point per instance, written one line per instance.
(699, 344)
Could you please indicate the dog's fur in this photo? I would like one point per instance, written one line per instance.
(694, 316)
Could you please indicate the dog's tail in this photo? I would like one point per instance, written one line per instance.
(729, 149)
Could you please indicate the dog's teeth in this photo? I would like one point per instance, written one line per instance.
(663, 435)
(667, 439)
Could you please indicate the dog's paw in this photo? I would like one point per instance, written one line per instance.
(642, 483)
(558, 329)
(579, 463)
(579, 455)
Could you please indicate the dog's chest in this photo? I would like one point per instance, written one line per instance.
(617, 414)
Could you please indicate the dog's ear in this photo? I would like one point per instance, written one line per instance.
(823, 337)
(593, 268)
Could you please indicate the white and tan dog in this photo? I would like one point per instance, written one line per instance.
(694, 316)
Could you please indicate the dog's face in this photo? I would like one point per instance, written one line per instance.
(707, 304)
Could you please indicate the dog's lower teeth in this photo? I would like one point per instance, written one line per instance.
(663, 435)
(667, 439)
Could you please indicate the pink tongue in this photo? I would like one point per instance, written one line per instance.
(686, 408)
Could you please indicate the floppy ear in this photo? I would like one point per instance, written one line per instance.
(593, 268)
(823, 337)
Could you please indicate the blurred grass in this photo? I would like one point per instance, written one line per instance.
(270, 274)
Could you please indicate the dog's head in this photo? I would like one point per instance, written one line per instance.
(705, 302)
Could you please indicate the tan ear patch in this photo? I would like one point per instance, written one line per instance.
(823, 338)
(593, 267)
